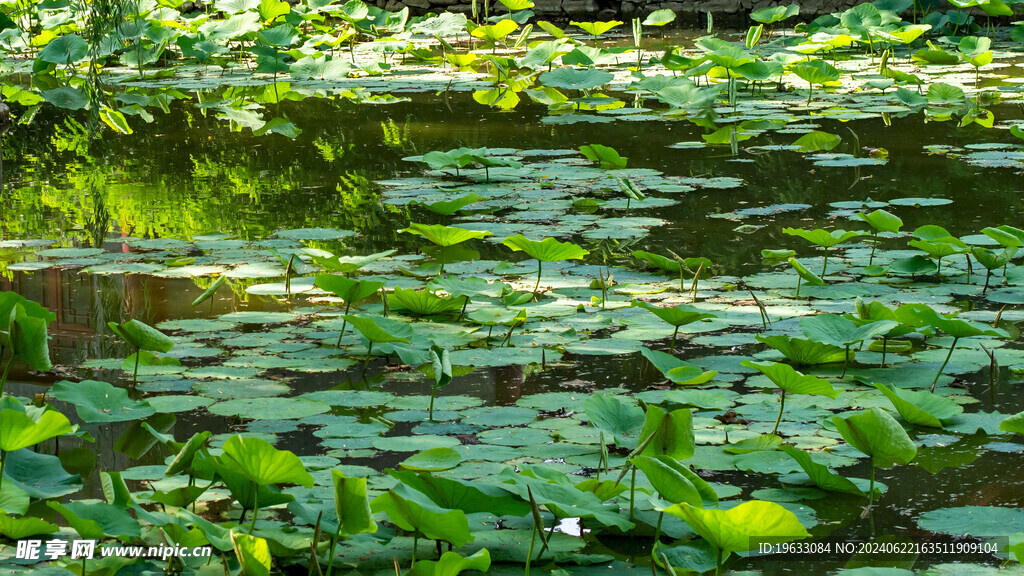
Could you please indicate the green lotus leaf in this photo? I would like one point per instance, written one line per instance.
(596, 28)
(667, 433)
(674, 481)
(433, 460)
(28, 339)
(608, 158)
(878, 435)
(823, 238)
(263, 464)
(774, 14)
(347, 289)
(98, 520)
(921, 406)
(452, 563)
(19, 429)
(142, 336)
(373, 329)
(1013, 424)
(676, 370)
(621, 420)
(546, 250)
(351, 504)
(820, 474)
(96, 401)
(424, 302)
(742, 527)
(679, 315)
(252, 552)
(444, 235)
(841, 331)
(882, 221)
(792, 381)
(24, 527)
(413, 511)
(804, 352)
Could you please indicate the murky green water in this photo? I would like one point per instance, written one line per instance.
(184, 175)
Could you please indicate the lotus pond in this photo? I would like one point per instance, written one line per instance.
(331, 289)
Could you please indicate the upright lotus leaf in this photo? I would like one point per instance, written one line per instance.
(19, 528)
(559, 494)
(660, 17)
(803, 352)
(252, 553)
(607, 157)
(992, 260)
(820, 475)
(1013, 424)
(352, 504)
(20, 430)
(924, 316)
(413, 511)
(449, 207)
(452, 563)
(824, 238)
(64, 50)
(677, 316)
(841, 331)
(774, 14)
(444, 236)
(921, 406)
(880, 221)
(182, 461)
(596, 29)
(349, 290)
(98, 520)
(803, 274)
(441, 364)
(667, 433)
(96, 401)
(977, 52)
(142, 336)
(790, 381)
(424, 302)
(878, 435)
(676, 370)
(29, 341)
(1008, 236)
(466, 495)
(492, 33)
(938, 247)
(372, 330)
(815, 72)
(742, 527)
(260, 462)
(675, 482)
(546, 250)
(621, 420)
(349, 264)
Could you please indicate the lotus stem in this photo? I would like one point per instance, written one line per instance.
(632, 492)
(797, 296)
(3, 459)
(529, 552)
(871, 486)
(135, 374)
(537, 285)
(810, 92)
(846, 362)
(987, 278)
(885, 343)
(344, 323)
(696, 277)
(943, 367)
(255, 508)
(782, 406)
(672, 347)
(7, 370)
(415, 543)
(330, 557)
(824, 264)
(874, 244)
(430, 410)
